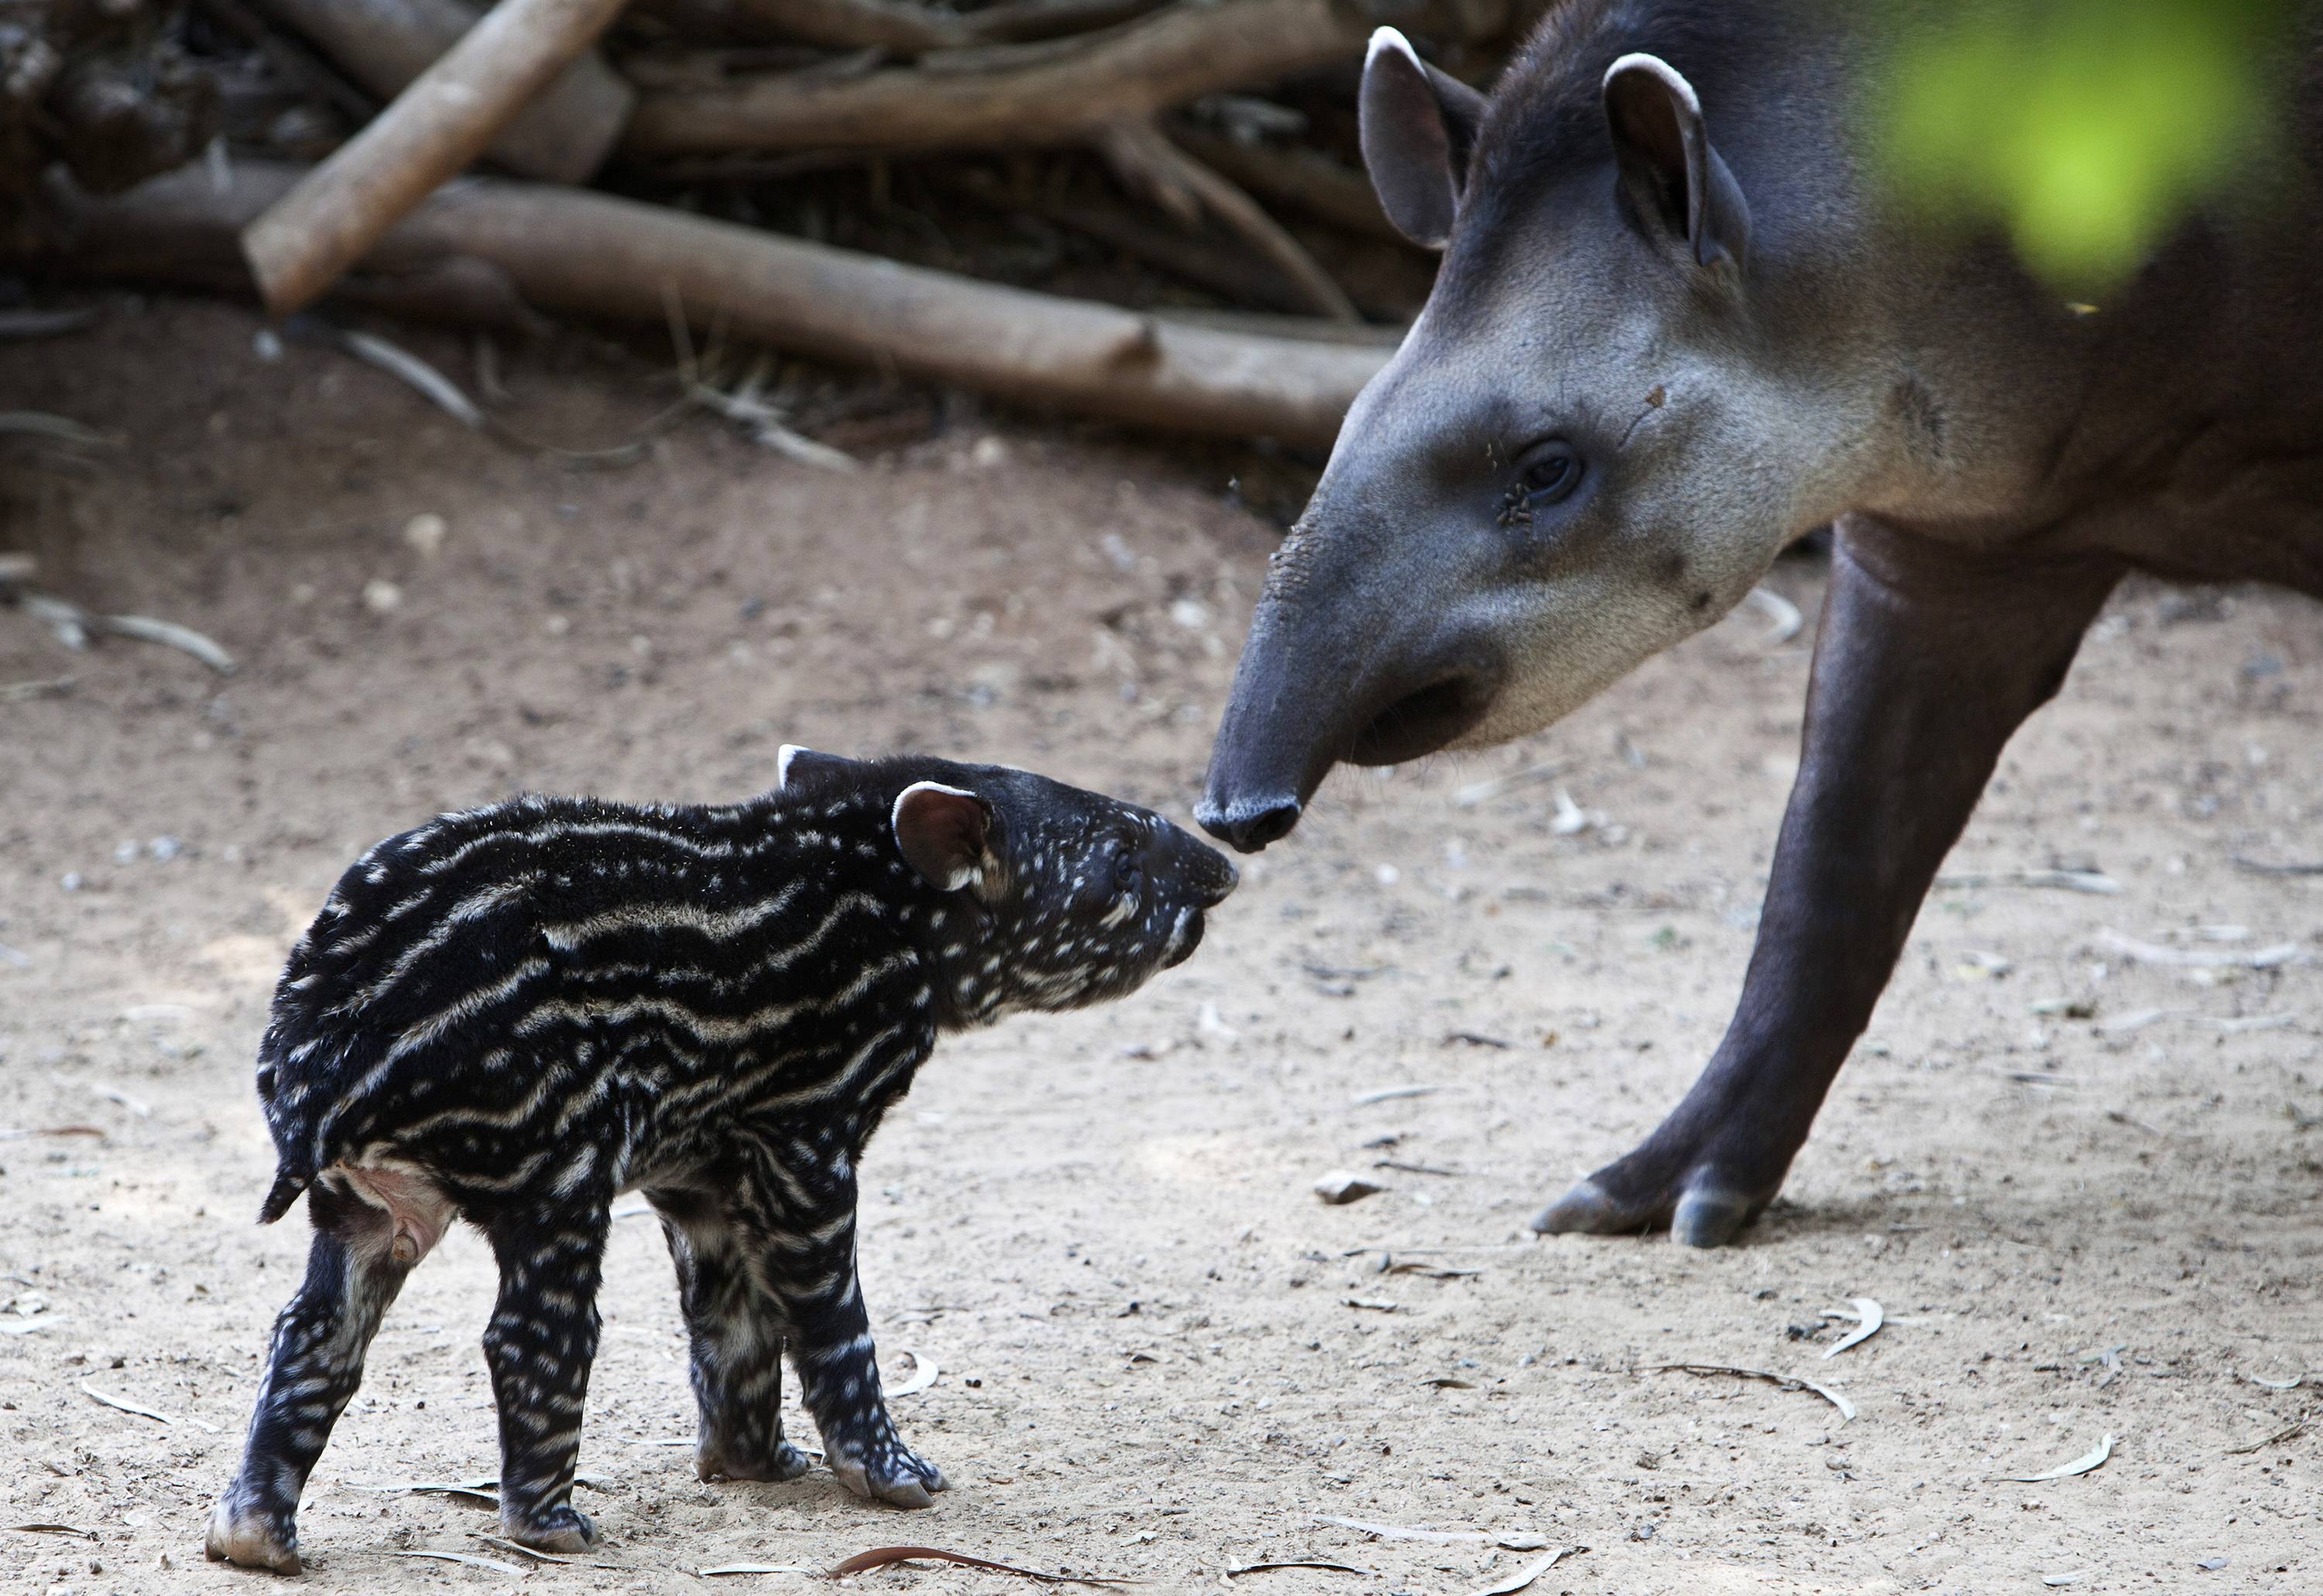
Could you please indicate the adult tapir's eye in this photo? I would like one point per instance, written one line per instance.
(1551, 471)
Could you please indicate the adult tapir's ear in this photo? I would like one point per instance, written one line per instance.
(1418, 126)
(944, 834)
(1672, 175)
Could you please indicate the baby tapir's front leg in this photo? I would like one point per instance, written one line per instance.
(539, 1346)
(801, 1206)
(736, 1332)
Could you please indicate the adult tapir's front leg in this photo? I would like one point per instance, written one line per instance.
(1928, 659)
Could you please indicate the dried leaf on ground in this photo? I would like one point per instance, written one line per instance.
(126, 1406)
(1526, 1575)
(2079, 1465)
(1868, 1318)
(1302, 1562)
(924, 1371)
(87, 1535)
(1390, 1093)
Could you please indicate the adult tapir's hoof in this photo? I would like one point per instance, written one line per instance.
(1703, 1213)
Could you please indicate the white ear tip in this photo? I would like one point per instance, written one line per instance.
(790, 751)
(1390, 38)
(896, 815)
(1639, 61)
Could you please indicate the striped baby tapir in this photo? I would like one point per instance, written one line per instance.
(511, 1016)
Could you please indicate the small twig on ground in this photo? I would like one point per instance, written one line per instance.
(125, 1406)
(1789, 1383)
(47, 324)
(882, 1557)
(2271, 867)
(2143, 952)
(72, 625)
(2087, 881)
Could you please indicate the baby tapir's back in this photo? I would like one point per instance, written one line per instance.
(547, 987)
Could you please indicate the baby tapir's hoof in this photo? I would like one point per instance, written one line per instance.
(731, 1460)
(251, 1537)
(561, 1529)
(890, 1473)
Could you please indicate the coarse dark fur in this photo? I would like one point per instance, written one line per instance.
(1684, 315)
(512, 1015)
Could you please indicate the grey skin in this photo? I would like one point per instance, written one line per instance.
(1676, 326)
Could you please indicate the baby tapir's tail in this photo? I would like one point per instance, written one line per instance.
(288, 1184)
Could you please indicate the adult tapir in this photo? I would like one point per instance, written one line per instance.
(1680, 321)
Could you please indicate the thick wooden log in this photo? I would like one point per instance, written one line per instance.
(439, 124)
(1059, 92)
(593, 254)
(562, 136)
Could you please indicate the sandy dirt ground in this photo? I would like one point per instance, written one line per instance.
(2086, 1187)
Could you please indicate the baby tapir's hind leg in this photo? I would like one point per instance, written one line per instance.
(737, 1337)
(539, 1344)
(803, 1214)
(316, 1364)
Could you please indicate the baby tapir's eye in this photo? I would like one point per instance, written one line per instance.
(1128, 873)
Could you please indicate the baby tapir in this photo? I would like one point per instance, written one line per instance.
(510, 1015)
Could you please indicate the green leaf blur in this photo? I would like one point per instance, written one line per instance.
(2087, 128)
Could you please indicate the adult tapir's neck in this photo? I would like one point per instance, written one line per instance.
(2008, 407)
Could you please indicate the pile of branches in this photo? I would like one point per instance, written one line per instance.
(100, 89)
(1148, 210)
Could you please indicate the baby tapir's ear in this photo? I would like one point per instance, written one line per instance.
(797, 768)
(1417, 126)
(944, 834)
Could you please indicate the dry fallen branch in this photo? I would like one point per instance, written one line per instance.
(1303, 179)
(898, 25)
(1139, 149)
(594, 254)
(445, 120)
(1021, 96)
(562, 136)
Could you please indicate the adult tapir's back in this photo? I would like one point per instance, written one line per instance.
(1681, 321)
